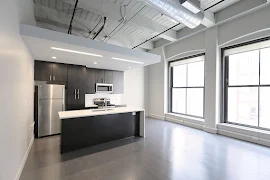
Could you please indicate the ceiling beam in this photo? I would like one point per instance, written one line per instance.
(209, 19)
(112, 10)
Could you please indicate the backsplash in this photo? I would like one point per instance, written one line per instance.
(115, 98)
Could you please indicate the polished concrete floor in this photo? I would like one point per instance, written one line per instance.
(169, 152)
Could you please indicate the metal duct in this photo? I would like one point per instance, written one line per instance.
(174, 10)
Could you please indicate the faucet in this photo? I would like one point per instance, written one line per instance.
(106, 103)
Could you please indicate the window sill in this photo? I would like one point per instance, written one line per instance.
(252, 134)
(186, 120)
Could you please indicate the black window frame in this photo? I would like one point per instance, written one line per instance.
(225, 81)
(198, 87)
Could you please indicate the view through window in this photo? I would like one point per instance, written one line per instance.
(187, 90)
(248, 88)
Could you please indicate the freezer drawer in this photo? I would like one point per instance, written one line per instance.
(48, 118)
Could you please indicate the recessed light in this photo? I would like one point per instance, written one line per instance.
(95, 62)
(54, 57)
(129, 67)
(77, 52)
(119, 59)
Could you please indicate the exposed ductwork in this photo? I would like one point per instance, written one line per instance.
(174, 10)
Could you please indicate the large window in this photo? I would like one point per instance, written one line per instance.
(247, 87)
(187, 86)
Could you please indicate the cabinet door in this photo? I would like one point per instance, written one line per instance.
(118, 82)
(80, 101)
(90, 81)
(72, 102)
(72, 79)
(81, 76)
(59, 72)
(43, 71)
(108, 77)
(100, 76)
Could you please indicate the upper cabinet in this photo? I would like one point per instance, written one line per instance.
(108, 77)
(104, 76)
(59, 72)
(90, 81)
(43, 71)
(118, 82)
(48, 71)
(100, 75)
(79, 79)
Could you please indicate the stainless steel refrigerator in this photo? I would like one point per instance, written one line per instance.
(51, 100)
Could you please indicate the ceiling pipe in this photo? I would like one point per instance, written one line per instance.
(174, 10)
(70, 26)
(102, 27)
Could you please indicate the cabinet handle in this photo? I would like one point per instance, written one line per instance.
(78, 92)
(75, 97)
(50, 78)
(78, 96)
(54, 78)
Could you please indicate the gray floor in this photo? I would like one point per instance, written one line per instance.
(169, 151)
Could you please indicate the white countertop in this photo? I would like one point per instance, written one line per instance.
(90, 112)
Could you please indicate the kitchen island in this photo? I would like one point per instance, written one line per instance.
(85, 128)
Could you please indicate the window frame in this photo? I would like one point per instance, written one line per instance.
(191, 87)
(226, 86)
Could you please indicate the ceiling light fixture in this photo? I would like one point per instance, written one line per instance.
(95, 62)
(119, 59)
(54, 57)
(192, 5)
(77, 52)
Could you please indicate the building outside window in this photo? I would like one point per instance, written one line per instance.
(187, 86)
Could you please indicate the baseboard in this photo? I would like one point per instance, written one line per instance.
(210, 130)
(18, 175)
(244, 137)
(185, 123)
(156, 116)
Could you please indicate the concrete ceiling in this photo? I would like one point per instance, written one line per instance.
(142, 22)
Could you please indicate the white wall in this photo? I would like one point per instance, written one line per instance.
(157, 81)
(244, 27)
(135, 88)
(16, 92)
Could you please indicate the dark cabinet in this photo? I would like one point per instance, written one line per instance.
(59, 72)
(76, 87)
(90, 81)
(43, 71)
(100, 75)
(104, 76)
(108, 77)
(118, 82)
(48, 71)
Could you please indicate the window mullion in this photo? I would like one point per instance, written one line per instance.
(186, 85)
(259, 88)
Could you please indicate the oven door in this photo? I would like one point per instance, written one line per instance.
(104, 88)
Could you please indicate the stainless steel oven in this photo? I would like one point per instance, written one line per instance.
(104, 88)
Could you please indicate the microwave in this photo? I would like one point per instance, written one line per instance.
(104, 88)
